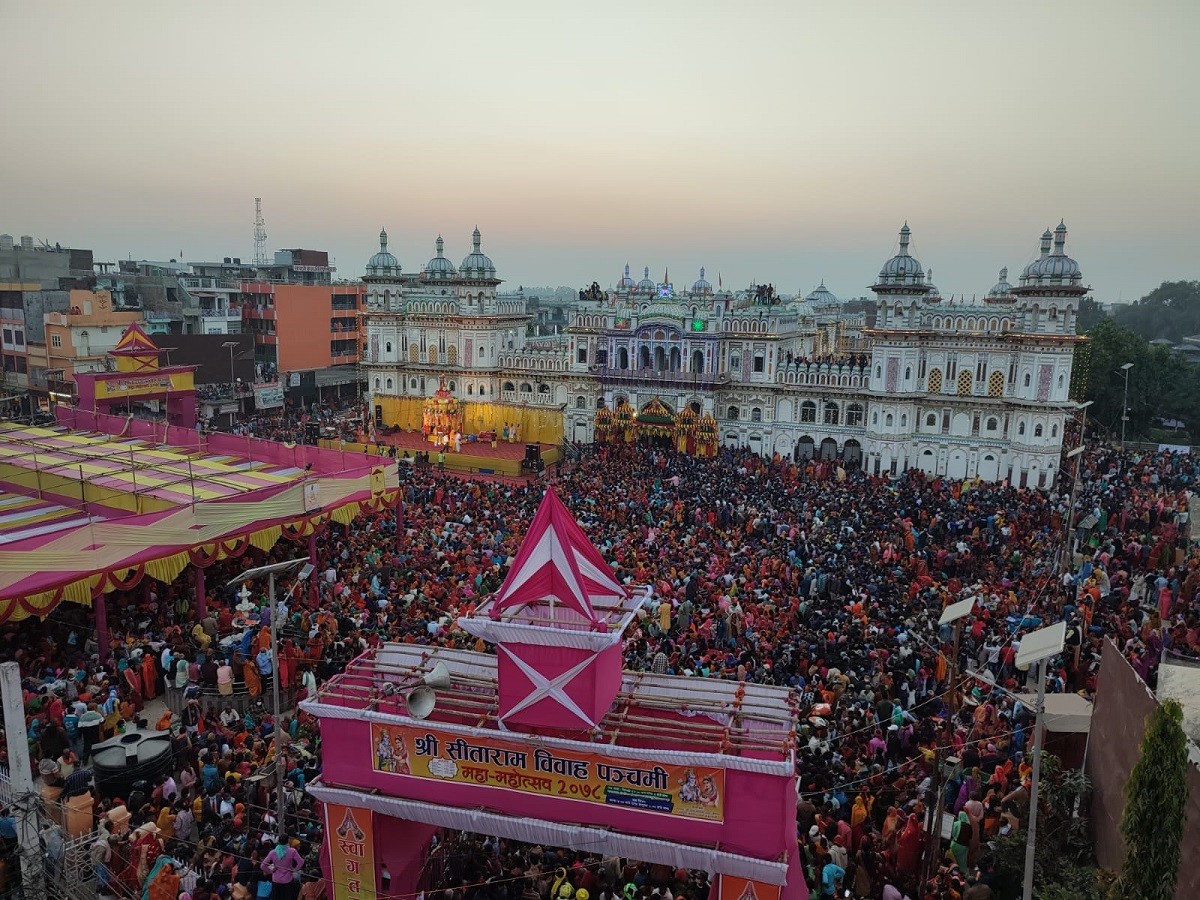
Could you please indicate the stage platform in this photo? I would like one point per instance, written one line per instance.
(478, 457)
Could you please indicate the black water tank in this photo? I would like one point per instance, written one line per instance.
(127, 758)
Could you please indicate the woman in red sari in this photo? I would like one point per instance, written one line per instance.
(133, 680)
(908, 853)
(149, 677)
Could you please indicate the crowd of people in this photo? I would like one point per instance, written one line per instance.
(805, 575)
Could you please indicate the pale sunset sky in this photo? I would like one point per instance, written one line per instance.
(782, 142)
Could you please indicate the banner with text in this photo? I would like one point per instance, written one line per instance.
(351, 852)
(693, 792)
(268, 396)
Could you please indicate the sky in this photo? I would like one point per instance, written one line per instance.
(769, 142)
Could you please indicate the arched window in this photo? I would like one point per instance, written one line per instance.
(879, 371)
(470, 390)
(581, 402)
(376, 384)
(888, 420)
(1021, 429)
(996, 384)
(808, 411)
(756, 414)
(854, 415)
(903, 420)
(991, 424)
(388, 347)
(390, 384)
(481, 351)
(735, 361)
(412, 385)
(1054, 430)
(1037, 430)
(907, 372)
(831, 413)
(732, 413)
(508, 386)
(935, 381)
(452, 386)
(931, 420)
(875, 418)
(526, 387)
(1027, 379)
(964, 381)
(543, 388)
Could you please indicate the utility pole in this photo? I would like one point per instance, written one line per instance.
(25, 801)
(280, 768)
(1031, 837)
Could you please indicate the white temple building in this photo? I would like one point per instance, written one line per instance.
(955, 387)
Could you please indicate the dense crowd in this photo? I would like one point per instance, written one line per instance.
(801, 575)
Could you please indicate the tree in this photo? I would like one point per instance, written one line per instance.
(1162, 384)
(1153, 820)
(1090, 314)
(1171, 310)
(1063, 864)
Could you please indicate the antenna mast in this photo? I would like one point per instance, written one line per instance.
(260, 234)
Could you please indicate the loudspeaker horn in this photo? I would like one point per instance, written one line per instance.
(421, 701)
(438, 677)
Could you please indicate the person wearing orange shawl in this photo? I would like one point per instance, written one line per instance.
(149, 677)
(165, 885)
(252, 678)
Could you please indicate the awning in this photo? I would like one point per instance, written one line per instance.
(1065, 713)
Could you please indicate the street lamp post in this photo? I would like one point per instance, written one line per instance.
(306, 569)
(1037, 648)
(1076, 453)
(1125, 403)
(229, 345)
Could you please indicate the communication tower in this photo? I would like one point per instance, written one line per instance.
(260, 234)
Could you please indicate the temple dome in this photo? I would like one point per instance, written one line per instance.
(903, 269)
(439, 266)
(477, 264)
(701, 285)
(821, 296)
(383, 263)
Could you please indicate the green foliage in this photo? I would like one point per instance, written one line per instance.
(1171, 310)
(1162, 384)
(1063, 866)
(1153, 820)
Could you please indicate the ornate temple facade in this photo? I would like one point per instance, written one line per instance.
(956, 387)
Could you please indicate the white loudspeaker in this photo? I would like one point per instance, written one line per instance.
(421, 701)
(439, 677)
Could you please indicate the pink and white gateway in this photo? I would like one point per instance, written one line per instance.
(548, 741)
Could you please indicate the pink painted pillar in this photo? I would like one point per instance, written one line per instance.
(201, 597)
(402, 846)
(100, 611)
(313, 591)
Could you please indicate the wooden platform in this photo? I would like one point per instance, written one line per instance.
(477, 457)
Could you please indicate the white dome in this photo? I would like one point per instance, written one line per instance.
(1053, 268)
(477, 264)
(902, 270)
(822, 296)
(626, 283)
(439, 266)
(701, 285)
(646, 286)
(1001, 288)
(383, 264)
